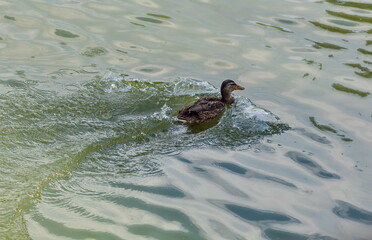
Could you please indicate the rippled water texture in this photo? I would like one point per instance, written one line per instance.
(90, 147)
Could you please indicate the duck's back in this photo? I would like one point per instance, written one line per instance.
(204, 109)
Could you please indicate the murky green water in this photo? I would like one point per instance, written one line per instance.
(90, 147)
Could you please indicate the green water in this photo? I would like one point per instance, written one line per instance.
(90, 147)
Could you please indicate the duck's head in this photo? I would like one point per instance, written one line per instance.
(227, 87)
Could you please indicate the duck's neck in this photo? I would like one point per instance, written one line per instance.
(226, 96)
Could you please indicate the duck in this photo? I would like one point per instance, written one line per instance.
(207, 108)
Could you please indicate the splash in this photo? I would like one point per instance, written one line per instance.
(242, 124)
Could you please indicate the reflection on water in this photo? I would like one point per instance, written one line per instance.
(275, 234)
(311, 165)
(91, 147)
(347, 210)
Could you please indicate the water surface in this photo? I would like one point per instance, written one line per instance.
(91, 149)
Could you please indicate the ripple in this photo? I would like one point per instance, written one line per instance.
(58, 11)
(319, 45)
(282, 29)
(328, 129)
(224, 232)
(56, 228)
(168, 214)
(252, 174)
(313, 136)
(168, 191)
(158, 15)
(224, 41)
(298, 67)
(9, 18)
(351, 212)
(302, 50)
(355, 4)
(104, 7)
(311, 165)
(255, 215)
(342, 88)
(159, 233)
(286, 21)
(150, 20)
(153, 39)
(353, 17)
(151, 70)
(154, 19)
(232, 167)
(220, 64)
(258, 55)
(331, 28)
(147, 3)
(364, 51)
(184, 160)
(188, 56)
(363, 71)
(65, 33)
(275, 234)
(343, 23)
(135, 47)
(260, 75)
(94, 51)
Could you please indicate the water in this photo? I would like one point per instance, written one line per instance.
(91, 148)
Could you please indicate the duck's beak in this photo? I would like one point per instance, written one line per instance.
(239, 87)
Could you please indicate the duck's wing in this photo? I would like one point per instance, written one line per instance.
(202, 110)
(206, 104)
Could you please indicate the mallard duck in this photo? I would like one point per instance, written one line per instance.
(207, 108)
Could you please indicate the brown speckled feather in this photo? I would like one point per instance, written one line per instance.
(202, 110)
(207, 108)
